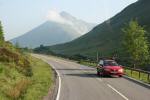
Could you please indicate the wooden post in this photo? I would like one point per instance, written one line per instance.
(131, 72)
(134, 66)
(139, 74)
(97, 57)
(148, 78)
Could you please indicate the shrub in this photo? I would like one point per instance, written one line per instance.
(22, 62)
(19, 88)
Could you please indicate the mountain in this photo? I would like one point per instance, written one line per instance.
(106, 37)
(60, 28)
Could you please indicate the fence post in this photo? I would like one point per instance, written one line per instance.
(125, 70)
(131, 72)
(139, 74)
(97, 57)
(148, 78)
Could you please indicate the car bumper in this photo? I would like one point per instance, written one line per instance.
(113, 73)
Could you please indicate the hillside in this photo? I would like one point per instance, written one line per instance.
(21, 74)
(59, 29)
(106, 37)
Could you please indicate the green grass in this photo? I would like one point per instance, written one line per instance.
(9, 76)
(41, 80)
(87, 63)
(135, 74)
(16, 86)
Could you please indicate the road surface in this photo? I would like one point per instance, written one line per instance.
(80, 82)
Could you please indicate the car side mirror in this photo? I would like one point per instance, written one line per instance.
(101, 65)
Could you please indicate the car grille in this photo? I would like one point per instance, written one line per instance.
(114, 70)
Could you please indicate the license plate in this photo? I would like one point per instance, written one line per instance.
(114, 72)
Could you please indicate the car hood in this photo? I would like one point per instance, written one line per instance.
(113, 67)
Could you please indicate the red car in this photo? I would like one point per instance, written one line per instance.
(109, 67)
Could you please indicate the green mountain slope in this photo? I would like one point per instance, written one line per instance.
(106, 37)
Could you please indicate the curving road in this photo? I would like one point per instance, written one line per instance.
(80, 82)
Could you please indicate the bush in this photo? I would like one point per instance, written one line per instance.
(22, 62)
(19, 88)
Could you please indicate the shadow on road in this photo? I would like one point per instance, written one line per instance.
(77, 69)
(83, 75)
(92, 75)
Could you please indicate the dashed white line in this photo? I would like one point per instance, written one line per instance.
(117, 92)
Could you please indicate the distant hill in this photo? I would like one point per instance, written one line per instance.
(106, 37)
(58, 29)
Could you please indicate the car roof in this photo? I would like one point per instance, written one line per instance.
(109, 60)
(106, 58)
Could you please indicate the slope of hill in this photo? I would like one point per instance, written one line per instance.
(20, 74)
(59, 29)
(106, 37)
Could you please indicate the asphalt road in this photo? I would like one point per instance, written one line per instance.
(80, 82)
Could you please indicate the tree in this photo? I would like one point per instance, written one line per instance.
(136, 43)
(17, 45)
(1, 33)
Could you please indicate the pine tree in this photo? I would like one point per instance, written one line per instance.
(136, 43)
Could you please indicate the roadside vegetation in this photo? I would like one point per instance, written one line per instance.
(135, 74)
(41, 81)
(22, 77)
(134, 54)
(136, 44)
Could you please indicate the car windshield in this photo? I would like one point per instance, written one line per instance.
(110, 63)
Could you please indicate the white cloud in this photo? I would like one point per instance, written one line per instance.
(79, 27)
(55, 16)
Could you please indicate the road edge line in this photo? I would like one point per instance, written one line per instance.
(59, 81)
(59, 85)
(137, 81)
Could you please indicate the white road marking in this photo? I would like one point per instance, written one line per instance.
(99, 79)
(59, 78)
(117, 92)
(59, 87)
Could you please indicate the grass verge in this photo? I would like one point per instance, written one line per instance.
(16, 86)
(87, 63)
(135, 74)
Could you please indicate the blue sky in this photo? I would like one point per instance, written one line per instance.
(20, 16)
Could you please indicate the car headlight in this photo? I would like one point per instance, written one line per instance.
(120, 70)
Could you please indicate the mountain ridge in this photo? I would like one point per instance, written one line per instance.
(106, 37)
(58, 29)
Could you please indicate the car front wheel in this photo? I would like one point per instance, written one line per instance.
(98, 73)
(120, 75)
